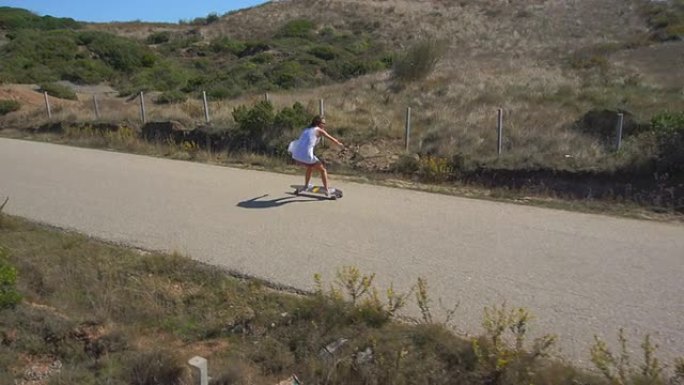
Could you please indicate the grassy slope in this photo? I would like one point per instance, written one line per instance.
(511, 55)
(545, 63)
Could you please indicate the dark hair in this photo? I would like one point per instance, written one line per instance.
(316, 121)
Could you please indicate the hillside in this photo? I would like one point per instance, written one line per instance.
(559, 70)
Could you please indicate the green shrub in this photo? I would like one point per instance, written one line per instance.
(301, 28)
(665, 18)
(669, 131)
(419, 60)
(253, 123)
(287, 75)
(58, 91)
(292, 118)
(171, 97)
(120, 53)
(498, 359)
(7, 106)
(407, 164)
(159, 37)
(324, 52)
(212, 18)
(9, 297)
(17, 18)
(155, 367)
(227, 45)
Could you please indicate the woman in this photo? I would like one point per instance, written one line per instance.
(302, 152)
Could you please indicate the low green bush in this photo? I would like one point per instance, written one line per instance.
(419, 60)
(7, 106)
(58, 91)
(158, 37)
(155, 367)
(17, 18)
(669, 130)
(171, 97)
(9, 296)
(301, 28)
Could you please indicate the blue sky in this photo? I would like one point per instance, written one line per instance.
(127, 10)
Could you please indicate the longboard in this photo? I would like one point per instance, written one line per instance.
(320, 190)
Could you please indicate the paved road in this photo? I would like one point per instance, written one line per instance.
(579, 274)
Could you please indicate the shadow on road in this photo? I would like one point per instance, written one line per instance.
(260, 203)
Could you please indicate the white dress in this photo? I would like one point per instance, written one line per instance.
(302, 148)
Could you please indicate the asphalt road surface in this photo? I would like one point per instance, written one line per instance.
(579, 274)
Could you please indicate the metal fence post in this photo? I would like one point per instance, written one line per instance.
(407, 134)
(620, 122)
(499, 130)
(142, 107)
(47, 104)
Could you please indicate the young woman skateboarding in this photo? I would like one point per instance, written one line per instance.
(302, 151)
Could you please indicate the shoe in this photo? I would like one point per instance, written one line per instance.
(330, 192)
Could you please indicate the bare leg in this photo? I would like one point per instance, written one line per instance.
(307, 178)
(324, 174)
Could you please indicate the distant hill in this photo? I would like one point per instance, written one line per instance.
(551, 66)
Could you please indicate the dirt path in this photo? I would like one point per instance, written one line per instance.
(579, 274)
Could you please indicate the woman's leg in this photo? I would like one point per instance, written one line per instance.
(324, 174)
(307, 178)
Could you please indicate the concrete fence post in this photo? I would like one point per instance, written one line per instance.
(47, 104)
(142, 107)
(97, 108)
(201, 364)
(499, 131)
(618, 139)
(206, 106)
(407, 127)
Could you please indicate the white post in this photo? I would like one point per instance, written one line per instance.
(266, 96)
(47, 104)
(499, 130)
(142, 107)
(407, 135)
(206, 106)
(620, 122)
(201, 364)
(97, 108)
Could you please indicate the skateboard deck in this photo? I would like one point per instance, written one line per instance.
(320, 190)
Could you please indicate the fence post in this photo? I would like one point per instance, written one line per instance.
(201, 364)
(142, 107)
(206, 106)
(620, 122)
(97, 108)
(266, 96)
(321, 113)
(47, 105)
(499, 130)
(407, 135)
